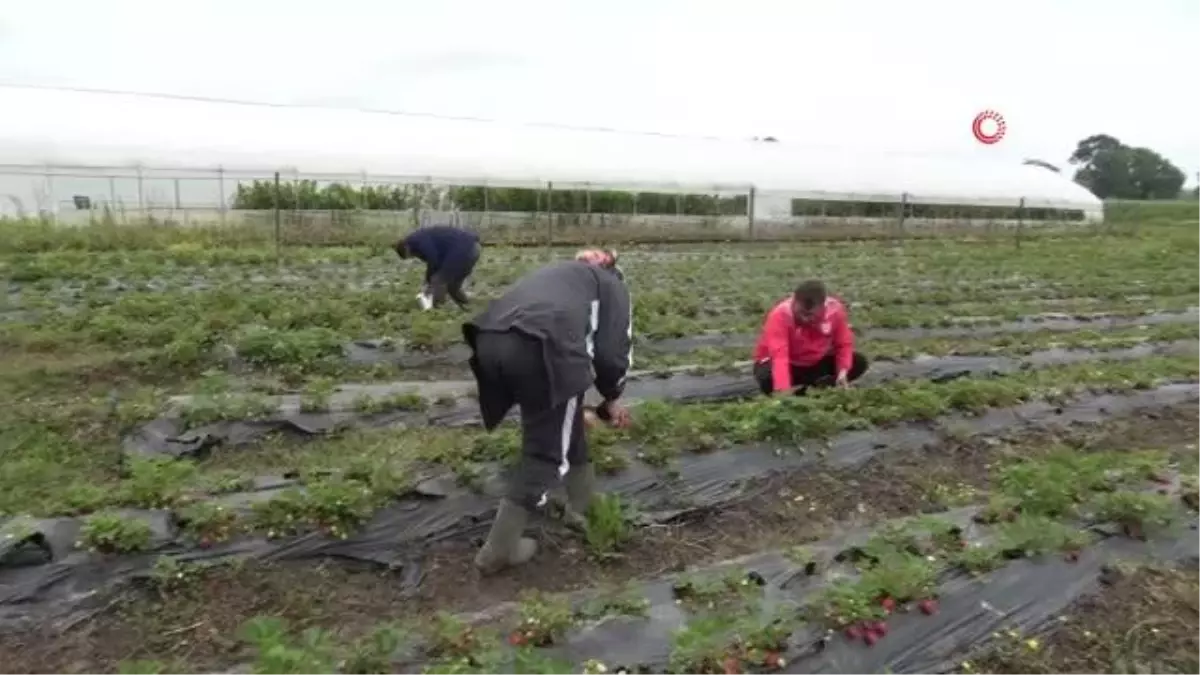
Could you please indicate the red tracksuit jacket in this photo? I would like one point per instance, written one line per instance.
(787, 344)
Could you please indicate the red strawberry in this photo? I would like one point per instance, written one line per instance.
(205, 542)
(880, 628)
(889, 604)
(732, 667)
(870, 638)
(962, 543)
(771, 660)
(1072, 556)
(853, 632)
(928, 606)
(516, 638)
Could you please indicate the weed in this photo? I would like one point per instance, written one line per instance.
(109, 532)
(607, 525)
(205, 409)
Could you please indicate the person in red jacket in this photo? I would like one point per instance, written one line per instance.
(806, 342)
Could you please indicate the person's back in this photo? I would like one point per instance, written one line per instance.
(537, 347)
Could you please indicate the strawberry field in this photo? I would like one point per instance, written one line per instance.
(253, 460)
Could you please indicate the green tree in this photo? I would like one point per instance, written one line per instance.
(1111, 169)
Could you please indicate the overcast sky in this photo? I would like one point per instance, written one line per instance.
(891, 76)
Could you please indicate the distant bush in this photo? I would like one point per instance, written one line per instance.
(1125, 210)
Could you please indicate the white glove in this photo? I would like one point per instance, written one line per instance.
(425, 299)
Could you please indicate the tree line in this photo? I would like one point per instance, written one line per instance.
(1104, 165)
(310, 195)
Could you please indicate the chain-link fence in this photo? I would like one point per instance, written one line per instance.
(293, 208)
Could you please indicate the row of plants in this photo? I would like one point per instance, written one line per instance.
(1035, 509)
(346, 479)
(306, 326)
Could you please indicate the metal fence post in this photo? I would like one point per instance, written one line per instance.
(549, 219)
(903, 210)
(278, 240)
(1020, 220)
(141, 192)
(178, 206)
(750, 203)
(221, 191)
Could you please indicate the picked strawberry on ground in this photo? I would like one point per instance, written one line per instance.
(731, 665)
(928, 606)
(888, 604)
(772, 660)
(880, 628)
(853, 631)
(1071, 556)
(870, 638)
(516, 638)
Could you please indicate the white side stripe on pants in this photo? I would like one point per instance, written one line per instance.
(568, 427)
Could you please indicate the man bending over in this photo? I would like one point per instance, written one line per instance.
(449, 254)
(806, 342)
(555, 333)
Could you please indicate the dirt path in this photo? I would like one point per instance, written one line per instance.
(196, 628)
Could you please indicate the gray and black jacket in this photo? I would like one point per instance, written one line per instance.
(581, 314)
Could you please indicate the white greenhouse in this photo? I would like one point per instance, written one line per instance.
(53, 141)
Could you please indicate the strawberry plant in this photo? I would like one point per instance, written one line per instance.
(283, 515)
(317, 395)
(208, 523)
(1031, 535)
(543, 620)
(978, 559)
(373, 652)
(732, 589)
(627, 602)
(339, 506)
(276, 651)
(157, 483)
(1136, 512)
(453, 640)
(169, 575)
(109, 532)
(703, 646)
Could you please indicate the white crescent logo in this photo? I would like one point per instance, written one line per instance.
(826, 327)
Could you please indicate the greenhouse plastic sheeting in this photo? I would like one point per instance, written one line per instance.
(1048, 322)
(169, 436)
(440, 509)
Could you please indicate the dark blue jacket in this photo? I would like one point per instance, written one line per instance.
(443, 248)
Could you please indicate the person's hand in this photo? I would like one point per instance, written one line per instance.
(590, 419)
(843, 380)
(615, 414)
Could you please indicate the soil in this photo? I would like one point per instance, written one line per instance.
(1146, 621)
(196, 628)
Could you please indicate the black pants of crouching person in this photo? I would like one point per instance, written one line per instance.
(510, 370)
(823, 373)
(449, 280)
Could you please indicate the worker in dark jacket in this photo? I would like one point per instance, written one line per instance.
(537, 347)
(449, 254)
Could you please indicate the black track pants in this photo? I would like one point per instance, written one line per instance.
(510, 371)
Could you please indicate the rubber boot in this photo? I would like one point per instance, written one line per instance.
(581, 486)
(505, 547)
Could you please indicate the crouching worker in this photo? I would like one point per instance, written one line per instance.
(537, 347)
(449, 254)
(806, 342)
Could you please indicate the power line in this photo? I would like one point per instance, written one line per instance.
(377, 111)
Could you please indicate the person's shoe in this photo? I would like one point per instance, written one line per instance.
(581, 487)
(505, 547)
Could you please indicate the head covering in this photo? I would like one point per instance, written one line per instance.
(600, 257)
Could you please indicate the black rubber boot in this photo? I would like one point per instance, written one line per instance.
(581, 487)
(505, 547)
